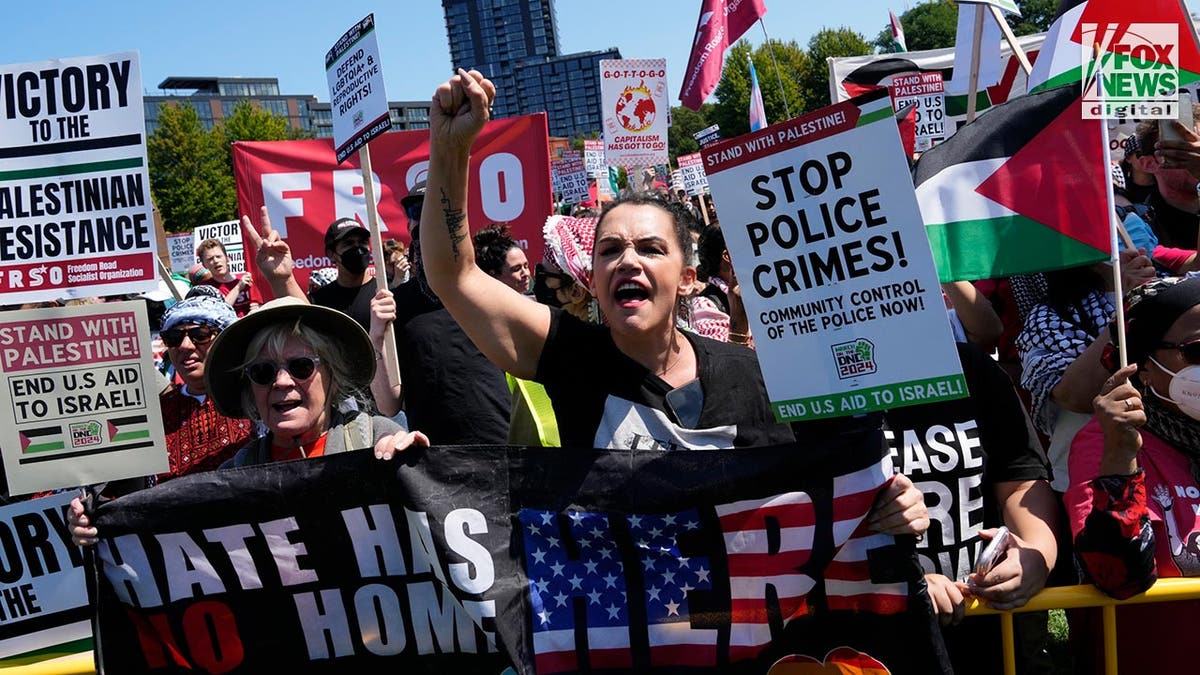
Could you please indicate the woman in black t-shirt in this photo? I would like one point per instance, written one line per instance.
(639, 382)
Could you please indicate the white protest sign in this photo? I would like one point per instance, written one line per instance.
(356, 95)
(928, 92)
(182, 251)
(75, 212)
(78, 397)
(633, 95)
(593, 158)
(45, 596)
(574, 181)
(228, 233)
(822, 224)
(691, 168)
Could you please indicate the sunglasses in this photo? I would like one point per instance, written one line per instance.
(299, 367)
(1190, 350)
(173, 337)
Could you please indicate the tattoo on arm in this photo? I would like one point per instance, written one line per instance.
(454, 219)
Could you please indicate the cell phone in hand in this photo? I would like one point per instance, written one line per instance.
(1166, 130)
(993, 552)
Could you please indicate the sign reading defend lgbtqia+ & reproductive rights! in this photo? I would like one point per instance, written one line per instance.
(824, 232)
(356, 95)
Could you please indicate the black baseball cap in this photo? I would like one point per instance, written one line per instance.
(342, 228)
(415, 197)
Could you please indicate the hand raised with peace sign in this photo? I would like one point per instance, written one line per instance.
(272, 256)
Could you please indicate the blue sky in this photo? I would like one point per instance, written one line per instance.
(288, 40)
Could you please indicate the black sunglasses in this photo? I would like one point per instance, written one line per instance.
(1190, 350)
(173, 337)
(299, 367)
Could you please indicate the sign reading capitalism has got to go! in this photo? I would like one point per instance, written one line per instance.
(633, 93)
(75, 212)
(824, 231)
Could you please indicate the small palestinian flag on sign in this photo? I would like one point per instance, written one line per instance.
(42, 439)
(1020, 190)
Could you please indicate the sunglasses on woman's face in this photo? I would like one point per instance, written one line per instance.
(300, 368)
(173, 337)
(1189, 350)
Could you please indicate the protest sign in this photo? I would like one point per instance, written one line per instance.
(593, 157)
(928, 93)
(45, 609)
(75, 212)
(633, 94)
(708, 135)
(556, 176)
(78, 397)
(574, 181)
(305, 189)
(691, 169)
(229, 233)
(465, 560)
(182, 250)
(826, 237)
(356, 95)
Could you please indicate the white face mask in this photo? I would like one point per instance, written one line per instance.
(1184, 389)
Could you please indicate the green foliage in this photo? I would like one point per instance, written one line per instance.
(828, 42)
(190, 175)
(684, 123)
(732, 110)
(1036, 16)
(932, 25)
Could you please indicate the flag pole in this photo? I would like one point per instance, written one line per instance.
(391, 361)
(1012, 40)
(786, 108)
(973, 82)
(1113, 255)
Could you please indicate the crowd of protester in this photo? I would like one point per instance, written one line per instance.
(632, 333)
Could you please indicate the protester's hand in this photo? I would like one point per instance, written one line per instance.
(947, 596)
(1015, 579)
(738, 321)
(272, 256)
(1120, 412)
(461, 106)
(246, 281)
(80, 526)
(1180, 154)
(383, 313)
(1136, 268)
(899, 509)
(399, 442)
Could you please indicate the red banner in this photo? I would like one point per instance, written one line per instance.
(305, 189)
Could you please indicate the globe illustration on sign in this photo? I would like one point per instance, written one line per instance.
(635, 108)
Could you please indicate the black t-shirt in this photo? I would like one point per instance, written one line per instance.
(355, 302)
(452, 392)
(1175, 228)
(604, 399)
(956, 452)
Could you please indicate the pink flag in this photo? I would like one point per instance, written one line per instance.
(721, 23)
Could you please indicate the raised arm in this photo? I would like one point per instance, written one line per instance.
(508, 328)
(273, 257)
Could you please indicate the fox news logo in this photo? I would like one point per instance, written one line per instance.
(1138, 69)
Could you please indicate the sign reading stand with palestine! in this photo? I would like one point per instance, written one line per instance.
(75, 212)
(78, 397)
(356, 95)
(823, 228)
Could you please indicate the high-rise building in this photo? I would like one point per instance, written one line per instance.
(567, 88)
(214, 99)
(495, 36)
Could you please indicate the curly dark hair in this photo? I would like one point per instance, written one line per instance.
(680, 218)
(711, 249)
(492, 245)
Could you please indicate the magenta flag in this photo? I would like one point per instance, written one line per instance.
(721, 23)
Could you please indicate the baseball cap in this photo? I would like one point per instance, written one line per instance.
(342, 228)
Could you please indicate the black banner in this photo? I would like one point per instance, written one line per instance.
(459, 560)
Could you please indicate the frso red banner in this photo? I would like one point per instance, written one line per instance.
(304, 189)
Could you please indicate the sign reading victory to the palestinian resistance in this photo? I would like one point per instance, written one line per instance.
(633, 94)
(45, 609)
(826, 237)
(356, 95)
(229, 233)
(928, 93)
(75, 212)
(78, 397)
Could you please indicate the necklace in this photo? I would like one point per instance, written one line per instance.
(672, 364)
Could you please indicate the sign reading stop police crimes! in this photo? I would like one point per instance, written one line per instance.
(633, 94)
(928, 92)
(75, 212)
(822, 225)
(78, 397)
(356, 96)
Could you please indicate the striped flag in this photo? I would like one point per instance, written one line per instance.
(898, 43)
(758, 114)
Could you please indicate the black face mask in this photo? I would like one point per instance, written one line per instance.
(355, 260)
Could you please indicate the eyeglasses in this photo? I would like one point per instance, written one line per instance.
(1190, 350)
(299, 367)
(173, 337)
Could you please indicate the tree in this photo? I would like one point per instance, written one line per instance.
(1036, 16)
(827, 43)
(190, 174)
(732, 110)
(930, 25)
(684, 123)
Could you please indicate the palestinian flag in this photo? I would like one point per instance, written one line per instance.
(1019, 190)
(1060, 60)
(898, 42)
